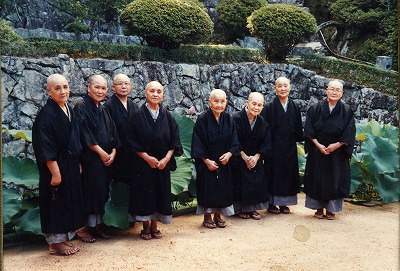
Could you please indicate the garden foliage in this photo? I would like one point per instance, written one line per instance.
(232, 17)
(374, 23)
(280, 27)
(168, 24)
(7, 34)
(359, 73)
(375, 166)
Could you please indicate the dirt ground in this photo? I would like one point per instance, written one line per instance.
(361, 238)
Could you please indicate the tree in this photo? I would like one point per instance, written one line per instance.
(232, 16)
(91, 12)
(374, 26)
(168, 23)
(281, 27)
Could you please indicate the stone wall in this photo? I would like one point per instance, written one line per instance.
(186, 85)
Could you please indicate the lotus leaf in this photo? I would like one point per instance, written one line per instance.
(20, 172)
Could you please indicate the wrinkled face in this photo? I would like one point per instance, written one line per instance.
(154, 93)
(282, 87)
(122, 85)
(334, 91)
(255, 105)
(97, 89)
(217, 103)
(58, 89)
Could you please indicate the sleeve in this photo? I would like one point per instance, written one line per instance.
(175, 139)
(43, 140)
(265, 147)
(349, 134)
(299, 135)
(134, 134)
(234, 141)
(86, 133)
(238, 126)
(199, 148)
(309, 132)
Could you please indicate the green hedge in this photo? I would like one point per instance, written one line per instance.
(362, 74)
(207, 54)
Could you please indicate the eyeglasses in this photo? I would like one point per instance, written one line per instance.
(335, 90)
(122, 84)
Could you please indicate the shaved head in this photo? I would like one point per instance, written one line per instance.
(96, 78)
(154, 84)
(256, 96)
(56, 78)
(121, 77)
(217, 92)
(335, 83)
(282, 80)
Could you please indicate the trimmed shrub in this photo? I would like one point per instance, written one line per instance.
(168, 23)
(361, 74)
(7, 34)
(232, 16)
(207, 54)
(281, 27)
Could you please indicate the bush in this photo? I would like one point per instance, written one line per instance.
(232, 16)
(7, 34)
(281, 27)
(361, 74)
(213, 54)
(167, 24)
(208, 54)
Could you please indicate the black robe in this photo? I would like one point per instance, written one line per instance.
(151, 188)
(96, 128)
(55, 138)
(282, 169)
(210, 140)
(126, 160)
(250, 186)
(327, 177)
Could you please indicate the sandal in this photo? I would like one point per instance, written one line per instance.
(145, 235)
(255, 215)
(273, 210)
(156, 234)
(63, 249)
(284, 209)
(220, 224)
(319, 215)
(330, 216)
(209, 224)
(85, 236)
(244, 215)
(99, 232)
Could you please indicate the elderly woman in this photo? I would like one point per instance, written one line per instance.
(154, 136)
(282, 169)
(99, 140)
(330, 132)
(214, 142)
(55, 139)
(250, 183)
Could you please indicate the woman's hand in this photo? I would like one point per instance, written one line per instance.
(152, 161)
(334, 146)
(320, 147)
(111, 158)
(224, 159)
(162, 163)
(211, 165)
(55, 180)
(252, 161)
